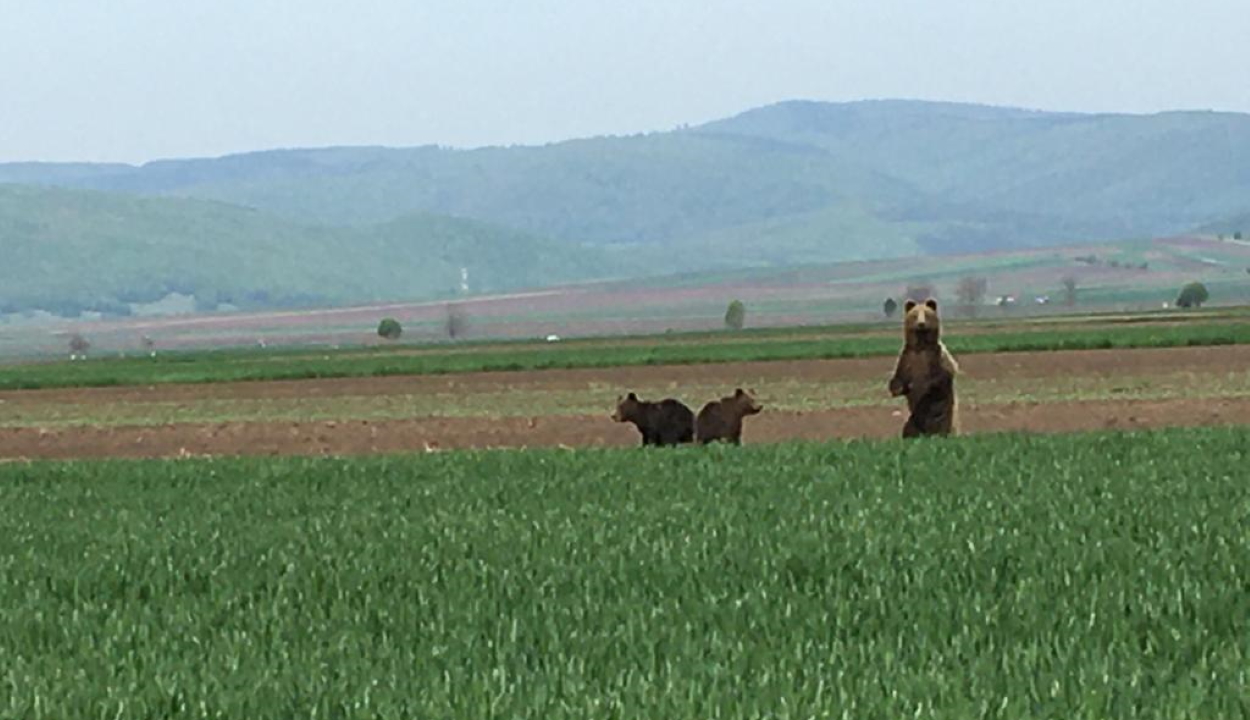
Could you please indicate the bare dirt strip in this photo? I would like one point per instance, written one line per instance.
(342, 437)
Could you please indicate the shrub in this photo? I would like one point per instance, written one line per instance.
(920, 291)
(1193, 295)
(390, 329)
(735, 315)
(456, 323)
(970, 292)
(1069, 290)
(78, 345)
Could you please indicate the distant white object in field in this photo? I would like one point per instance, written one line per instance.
(464, 279)
(553, 338)
(1165, 306)
(1042, 299)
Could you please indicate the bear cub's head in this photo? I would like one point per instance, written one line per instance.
(744, 403)
(627, 408)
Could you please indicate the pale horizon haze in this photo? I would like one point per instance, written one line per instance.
(138, 80)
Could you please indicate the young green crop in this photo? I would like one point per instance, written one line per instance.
(1098, 576)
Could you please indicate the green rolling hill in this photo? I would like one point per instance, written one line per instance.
(67, 251)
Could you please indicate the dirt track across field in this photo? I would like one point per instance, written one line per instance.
(432, 433)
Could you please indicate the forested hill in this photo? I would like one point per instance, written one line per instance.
(1054, 173)
(791, 183)
(67, 251)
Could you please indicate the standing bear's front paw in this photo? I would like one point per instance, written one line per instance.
(897, 387)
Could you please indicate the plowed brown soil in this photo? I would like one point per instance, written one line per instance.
(430, 433)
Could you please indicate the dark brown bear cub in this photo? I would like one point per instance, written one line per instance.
(925, 374)
(722, 419)
(667, 422)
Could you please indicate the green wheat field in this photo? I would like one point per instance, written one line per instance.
(998, 576)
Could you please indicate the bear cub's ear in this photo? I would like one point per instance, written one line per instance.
(907, 306)
(739, 392)
(932, 304)
(632, 396)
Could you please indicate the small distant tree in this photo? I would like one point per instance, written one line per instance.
(78, 346)
(890, 307)
(735, 315)
(1193, 295)
(456, 323)
(1069, 291)
(970, 292)
(920, 291)
(390, 329)
(1237, 235)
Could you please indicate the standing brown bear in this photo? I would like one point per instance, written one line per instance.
(667, 422)
(722, 419)
(925, 373)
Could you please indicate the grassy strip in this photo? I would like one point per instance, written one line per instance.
(994, 576)
(209, 367)
(505, 401)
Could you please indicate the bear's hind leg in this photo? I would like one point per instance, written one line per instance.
(910, 429)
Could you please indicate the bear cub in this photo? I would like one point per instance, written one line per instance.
(925, 373)
(722, 419)
(667, 422)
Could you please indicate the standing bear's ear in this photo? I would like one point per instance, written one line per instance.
(931, 304)
(909, 305)
(632, 396)
(739, 392)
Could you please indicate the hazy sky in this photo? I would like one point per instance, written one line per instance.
(134, 80)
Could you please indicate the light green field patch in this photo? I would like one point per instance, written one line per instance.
(599, 399)
(809, 344)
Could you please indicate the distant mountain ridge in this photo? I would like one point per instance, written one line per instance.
(794, 182)
(1067, 172)
(1148, 174)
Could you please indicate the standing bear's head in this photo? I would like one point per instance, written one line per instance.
(921, 326)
